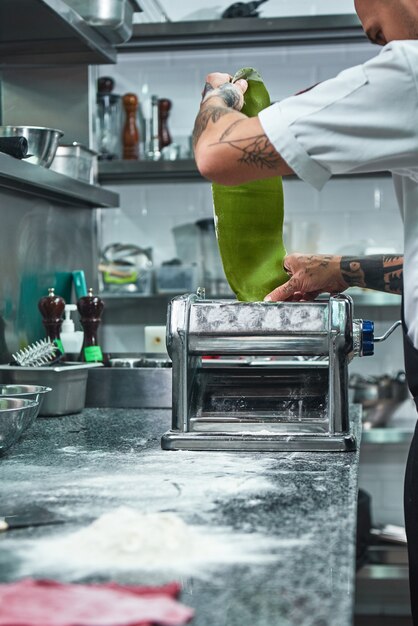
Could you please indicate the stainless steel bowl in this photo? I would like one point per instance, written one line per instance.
(42, 142)
(26, 392)
(13, 416)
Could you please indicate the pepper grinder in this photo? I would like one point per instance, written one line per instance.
(90, 308)
(164, 107)
(52, 308)
(130, 133)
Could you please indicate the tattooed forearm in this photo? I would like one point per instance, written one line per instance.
(255, 151)
(380, 272)
(229, 130)
(206, 115)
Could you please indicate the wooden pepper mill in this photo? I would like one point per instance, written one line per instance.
(164, 107)
(52, 308)
(90, 308)
(130, 135)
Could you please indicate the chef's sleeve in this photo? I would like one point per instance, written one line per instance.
(364, 120)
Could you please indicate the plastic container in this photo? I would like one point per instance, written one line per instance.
(71, 339)
(176, 279)
(155, 339)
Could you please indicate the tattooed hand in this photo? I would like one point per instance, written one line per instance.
(310, 275)
(232, 96)
(220, 86)
(313, 274)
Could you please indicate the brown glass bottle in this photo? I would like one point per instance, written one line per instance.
(130, 135)
(90, 308)
(52, 308)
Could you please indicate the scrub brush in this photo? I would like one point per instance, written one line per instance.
(42, 352)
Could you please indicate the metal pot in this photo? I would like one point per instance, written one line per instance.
(379, 396)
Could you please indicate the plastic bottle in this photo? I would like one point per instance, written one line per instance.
(72, 339)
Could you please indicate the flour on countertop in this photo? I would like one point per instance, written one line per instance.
(127, 539)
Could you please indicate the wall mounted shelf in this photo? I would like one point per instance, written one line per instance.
(40, 32)
(244, 32)
(21, 177)
(360, 298)
(181, 170)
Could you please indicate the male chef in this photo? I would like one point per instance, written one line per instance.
(364, 120)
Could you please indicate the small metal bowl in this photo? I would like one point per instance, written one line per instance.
(13, 416)
(26, 392)
(42, 142)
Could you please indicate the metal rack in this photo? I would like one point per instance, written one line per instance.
(40, 182)
(245, 32)
(42, 32)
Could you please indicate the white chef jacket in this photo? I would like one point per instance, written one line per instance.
(364, 120)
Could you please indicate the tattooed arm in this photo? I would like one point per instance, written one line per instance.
(313, 274)
(231, 148)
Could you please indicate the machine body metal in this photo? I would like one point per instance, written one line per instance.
(261, 376)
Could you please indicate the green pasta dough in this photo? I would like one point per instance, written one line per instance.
(249, 219)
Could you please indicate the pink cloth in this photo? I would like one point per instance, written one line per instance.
(49, 603)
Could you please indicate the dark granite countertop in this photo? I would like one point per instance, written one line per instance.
(303, 503)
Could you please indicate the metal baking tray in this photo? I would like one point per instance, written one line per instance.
(67, 381)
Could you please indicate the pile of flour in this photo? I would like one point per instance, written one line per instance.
(127, 539)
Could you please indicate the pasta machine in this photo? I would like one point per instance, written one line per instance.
(263, 376)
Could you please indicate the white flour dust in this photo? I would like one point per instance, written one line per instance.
(126, 539)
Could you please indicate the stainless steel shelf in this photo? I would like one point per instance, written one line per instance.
(393, 436)
(244, 32)
(372, 299)
(181, 170)
(21, 177)
(369, 297)
(38, 32)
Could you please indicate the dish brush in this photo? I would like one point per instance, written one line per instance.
(42, 352)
